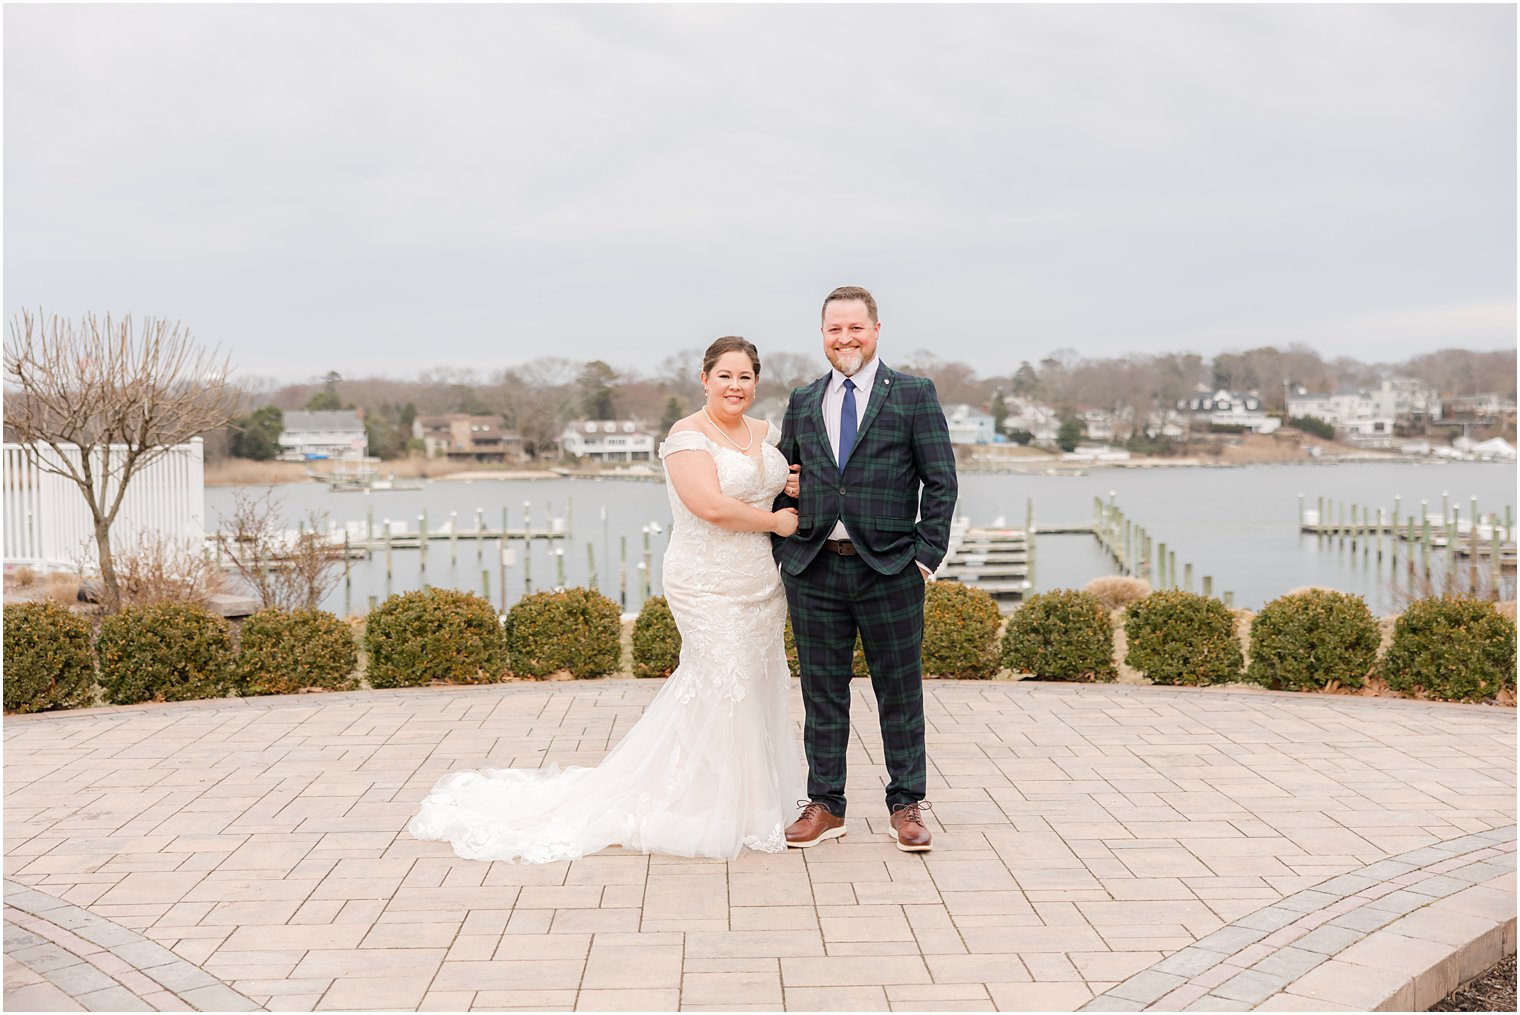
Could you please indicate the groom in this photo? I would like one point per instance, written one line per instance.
(877, 492)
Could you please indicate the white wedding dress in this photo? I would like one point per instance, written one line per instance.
(711, 767)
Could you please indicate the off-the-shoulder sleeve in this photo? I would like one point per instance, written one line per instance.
(683, 440)
(772, 434)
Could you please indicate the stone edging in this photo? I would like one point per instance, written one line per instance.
(1396, 935)
(102, 965)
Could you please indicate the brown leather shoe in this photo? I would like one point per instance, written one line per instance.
(912, 834)
(815, 824)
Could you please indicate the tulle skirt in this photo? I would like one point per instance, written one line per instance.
(709, 769)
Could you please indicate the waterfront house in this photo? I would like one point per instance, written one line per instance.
(1107, 424)
(1031, 417)
(1243, 409)
(315, 435)
(1485, 408)
(969, 425)
(461, 436)
(1361, 415)
(1413, 400)
(608, 440)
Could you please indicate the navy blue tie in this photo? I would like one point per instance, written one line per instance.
(847, 424)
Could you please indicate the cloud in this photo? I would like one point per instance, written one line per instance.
(393, 187)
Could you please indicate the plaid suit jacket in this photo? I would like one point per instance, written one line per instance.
(897, 492)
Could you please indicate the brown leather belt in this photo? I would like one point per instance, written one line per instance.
(843, 547)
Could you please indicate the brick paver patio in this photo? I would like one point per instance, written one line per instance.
(1097, 847)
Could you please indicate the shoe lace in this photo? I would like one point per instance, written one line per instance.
(810, 808)
(913, 812)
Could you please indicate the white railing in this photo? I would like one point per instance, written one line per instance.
(47, 522)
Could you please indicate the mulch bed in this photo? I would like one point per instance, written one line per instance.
(1492, 991)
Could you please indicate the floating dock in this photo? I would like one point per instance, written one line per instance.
(995, 560)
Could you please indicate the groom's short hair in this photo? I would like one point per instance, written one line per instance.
(851, 292)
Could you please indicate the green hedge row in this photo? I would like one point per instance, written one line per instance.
(960, 636)
(178, 651)
(167, 651)
(1446, 648)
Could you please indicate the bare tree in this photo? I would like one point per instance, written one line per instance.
(541, 397)
(108, 403)
(284, 570)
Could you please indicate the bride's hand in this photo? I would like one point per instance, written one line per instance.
(784, 522)
(793, 482)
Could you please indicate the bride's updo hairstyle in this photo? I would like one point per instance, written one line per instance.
(730, 343)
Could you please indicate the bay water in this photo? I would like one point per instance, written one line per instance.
(1238, 525)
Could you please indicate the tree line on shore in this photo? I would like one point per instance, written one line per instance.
(536, 399)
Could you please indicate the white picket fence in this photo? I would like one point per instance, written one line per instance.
(47, 522)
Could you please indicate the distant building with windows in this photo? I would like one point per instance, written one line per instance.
(1478, 407)
(608, 440)
(1357, 413)
(459, 435)
(1230, 408)
(309, 436)
(1023, 414)
(969, 425)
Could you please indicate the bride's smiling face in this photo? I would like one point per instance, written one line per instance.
(730, 386)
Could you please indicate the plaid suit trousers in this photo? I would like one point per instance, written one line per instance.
(830, 601)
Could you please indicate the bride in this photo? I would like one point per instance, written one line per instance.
(711, 766)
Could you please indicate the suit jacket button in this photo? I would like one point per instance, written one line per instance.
(841, 491)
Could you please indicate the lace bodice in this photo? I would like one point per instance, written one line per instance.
(710, 768)
(756, 481)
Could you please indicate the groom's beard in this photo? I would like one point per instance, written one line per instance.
(848, 361)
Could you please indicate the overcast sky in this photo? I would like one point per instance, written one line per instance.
(386, 189)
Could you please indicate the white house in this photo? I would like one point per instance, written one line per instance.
(1413, 399)
(1230, 408)
(1023, 414)
(608, 440)
(969, 425)
(1358, 413)
(328, 434)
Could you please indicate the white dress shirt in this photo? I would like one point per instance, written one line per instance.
(833, 401)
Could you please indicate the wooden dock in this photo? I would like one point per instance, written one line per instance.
(997, 560)
(1432, 543)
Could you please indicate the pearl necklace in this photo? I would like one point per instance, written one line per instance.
(745, 448)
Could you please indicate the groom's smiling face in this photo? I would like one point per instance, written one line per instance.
(849, 335)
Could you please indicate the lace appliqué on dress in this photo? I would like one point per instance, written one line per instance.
(711, 767)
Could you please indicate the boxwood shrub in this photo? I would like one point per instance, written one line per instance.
(164, 651)
(415, 638)
(576, 629)
(1061, 635)
(1177, 637)
(960, 632)
(1305, 641)
(287, 651)
(48, 660)
(656, 641)
(1452, 647)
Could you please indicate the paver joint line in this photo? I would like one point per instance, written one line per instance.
(93, 972)
(1108, 846)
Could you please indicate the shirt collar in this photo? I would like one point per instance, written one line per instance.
(864, 377)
